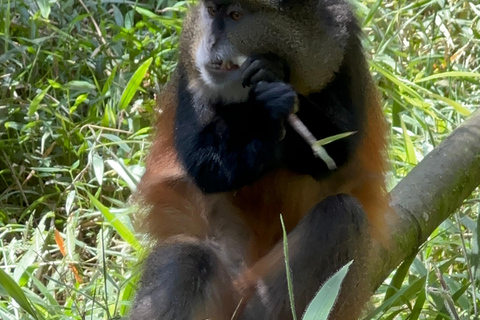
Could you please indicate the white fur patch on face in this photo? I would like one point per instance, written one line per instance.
(203, 54)
(202, 92)
(217, 85)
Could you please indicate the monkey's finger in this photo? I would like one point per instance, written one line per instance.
(264, 75)
(248, 62)
(249, 71)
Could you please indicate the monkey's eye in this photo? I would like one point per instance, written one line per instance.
(235, 15)
(212, 11)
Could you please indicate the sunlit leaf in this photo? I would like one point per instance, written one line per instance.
(321, 306)
(134, 84)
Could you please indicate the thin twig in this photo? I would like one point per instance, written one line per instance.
(15, 178)
(318, 150)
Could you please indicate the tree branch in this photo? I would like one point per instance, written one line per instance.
(430, 193)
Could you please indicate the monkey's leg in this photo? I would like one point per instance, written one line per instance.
(185, 281)
(331, 235)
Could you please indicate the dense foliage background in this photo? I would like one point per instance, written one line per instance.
(77, 87)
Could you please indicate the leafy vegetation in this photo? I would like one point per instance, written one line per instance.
(77, 89)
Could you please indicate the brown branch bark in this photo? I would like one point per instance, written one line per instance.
(429, 194)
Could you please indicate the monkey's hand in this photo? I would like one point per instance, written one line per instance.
(277, 99)
(267, 68)
(268, 75)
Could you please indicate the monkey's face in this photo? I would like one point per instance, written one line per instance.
(217, 60)
(310, 36)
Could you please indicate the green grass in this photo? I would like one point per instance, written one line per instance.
(77, 89)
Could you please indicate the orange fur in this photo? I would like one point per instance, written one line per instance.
(176, 205)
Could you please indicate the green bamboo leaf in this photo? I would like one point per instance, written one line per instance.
(109, 81)
(288, 270)
(124, 173)
(146, 13)
(127, 294)
(69, 201)
(36, 101)
(77, 19)
(121, 228)
(450, 74)
(70, 239)
(44, 6)
(334, 138)
(457, 106)
(372, 12)
(98, 167)
(81, 86)
(14, 291)
(133, 84)
(321, 306)
(119, 141)
(406, 292)
(394, 79)
(399, 277)
(418, 307)
(410, 150)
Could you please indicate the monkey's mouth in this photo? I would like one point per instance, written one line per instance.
(222, 65)
(227, 64)
(222, 70)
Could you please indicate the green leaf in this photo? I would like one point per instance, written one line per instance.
(418, 307)
(14, 291)
(36, 101)
(405, 293)
(146, 13)
(288, 270)
(44, 6)
(334, 138)
(109, 81)
(70, 238)
(457, 106)
(122, 230)
(13, 125)
(83, 86)
(450, 74)
(98, 167)
(120, 142)
(77, 19)
(69, 201)
(133, 84)
(372, 12)
(122, 170)
(25, 262)
(398, 278)
(321, 306)
(409, 149)
(54, 84)
(128, 293)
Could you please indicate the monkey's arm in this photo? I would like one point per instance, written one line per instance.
(329, 112)
(239, 143)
